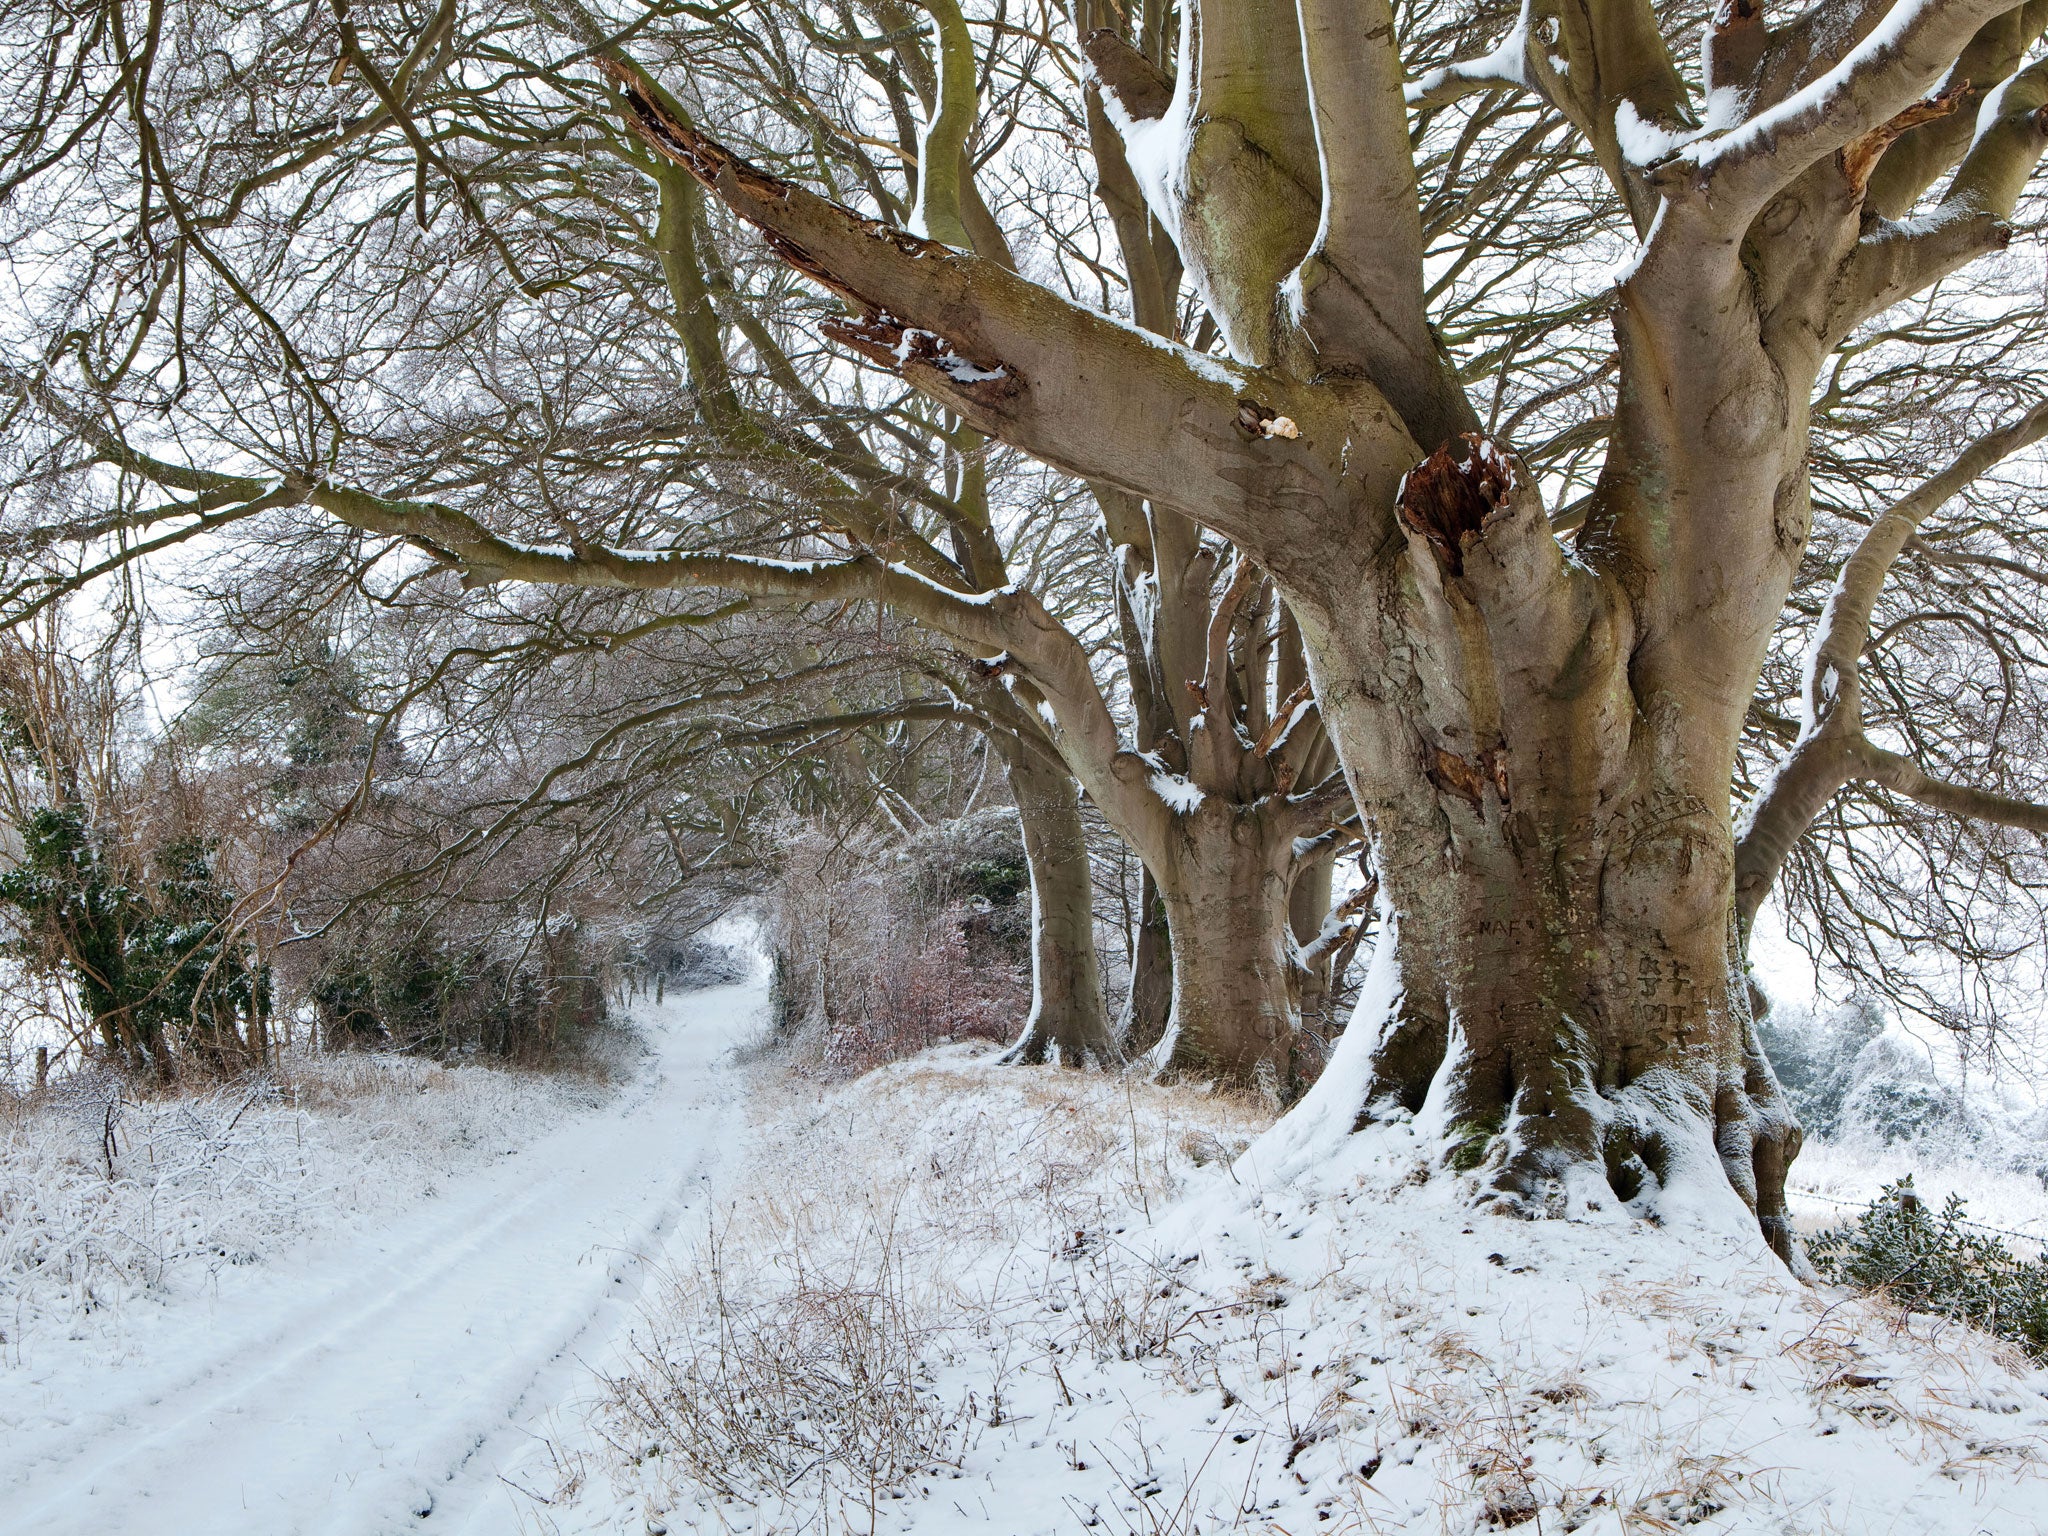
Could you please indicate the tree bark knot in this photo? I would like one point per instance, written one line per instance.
(1451, 496)
(1257, 420)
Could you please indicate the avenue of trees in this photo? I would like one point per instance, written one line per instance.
(1505, 490)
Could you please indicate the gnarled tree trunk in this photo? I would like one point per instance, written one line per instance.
(1562, 1000)
(1563, 1003)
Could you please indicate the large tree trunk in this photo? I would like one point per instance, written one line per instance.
(1149, 1002)
(1567, 1009)
(1069, 1022)
(1538, 745)
(1308, 908)
(1559, 997)
(1225, 889)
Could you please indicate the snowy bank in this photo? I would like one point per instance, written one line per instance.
(113, 1207)
(950, 1297)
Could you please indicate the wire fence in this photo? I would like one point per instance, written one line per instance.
(2038, 1239)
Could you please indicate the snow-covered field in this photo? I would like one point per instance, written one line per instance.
(341, 1315)
(950, 1296)
(1831, 1182)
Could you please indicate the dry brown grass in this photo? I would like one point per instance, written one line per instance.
(881, 1238)
(826, 1376)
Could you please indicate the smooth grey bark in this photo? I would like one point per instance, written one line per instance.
(1149, 1000)
(1215, 1007)
(1200, 674)
(1069, 1021)
(1197, 653)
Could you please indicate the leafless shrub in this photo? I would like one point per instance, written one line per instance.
(1119, 1310)
(752, 1391)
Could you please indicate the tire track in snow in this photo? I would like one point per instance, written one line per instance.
(409, 1372)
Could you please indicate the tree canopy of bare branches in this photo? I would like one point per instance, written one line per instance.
(1584, 452)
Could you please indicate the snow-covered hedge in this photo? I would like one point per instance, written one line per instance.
(1939, 1263)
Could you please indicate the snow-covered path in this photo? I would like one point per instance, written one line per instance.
(379, 1381)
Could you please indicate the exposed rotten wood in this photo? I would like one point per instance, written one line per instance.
(1283, 718)
(1860, 155)
(1450, 495)
(906, 350)
(1455, 775)
(872, 332)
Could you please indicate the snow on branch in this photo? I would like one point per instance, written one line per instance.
(1506, 66)
(1900, 58)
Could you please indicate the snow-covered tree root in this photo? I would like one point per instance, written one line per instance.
(1561, 1101)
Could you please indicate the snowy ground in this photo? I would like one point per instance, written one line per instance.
(950, 1297)
(1069, 1310)
(351, 1336)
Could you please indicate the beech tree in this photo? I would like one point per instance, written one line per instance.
(1535, 662)
(1540, 740)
